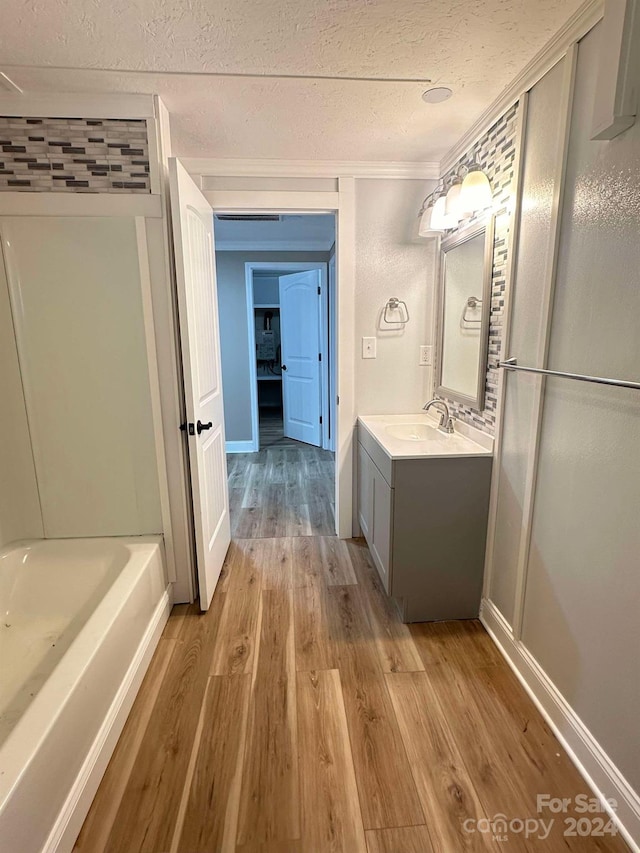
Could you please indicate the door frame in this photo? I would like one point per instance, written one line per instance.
(342, 204)
(286, 267)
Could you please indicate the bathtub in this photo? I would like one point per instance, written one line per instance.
(79, 620)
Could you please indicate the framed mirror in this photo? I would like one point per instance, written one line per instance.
(466, 266)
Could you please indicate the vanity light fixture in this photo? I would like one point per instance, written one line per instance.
(440, 219)
(424, 225)
(433, 220)
(445, 208)
(454, 205)
(425, 214)
(475, 191)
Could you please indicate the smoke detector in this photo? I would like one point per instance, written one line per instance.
(437, 95)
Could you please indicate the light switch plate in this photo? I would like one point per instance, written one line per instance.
(426, 356)
(369, 347)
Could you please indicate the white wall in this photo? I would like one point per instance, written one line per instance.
(80, 332)
(392, 261)
(234, 338)
(20, 516)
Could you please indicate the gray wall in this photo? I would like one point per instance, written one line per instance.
(232, 307)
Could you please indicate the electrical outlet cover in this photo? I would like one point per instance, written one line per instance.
(426, 356)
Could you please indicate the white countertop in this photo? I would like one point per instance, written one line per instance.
(465, 440)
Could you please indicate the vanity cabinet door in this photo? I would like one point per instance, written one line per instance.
(380, 543)
(365, 493)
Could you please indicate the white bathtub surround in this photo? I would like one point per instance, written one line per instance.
(20, 515)
(80, 336)
(103, 603)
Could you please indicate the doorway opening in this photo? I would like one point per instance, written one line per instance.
(278, 370)
(289, 307)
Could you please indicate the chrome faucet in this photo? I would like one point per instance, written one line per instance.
(446, 421)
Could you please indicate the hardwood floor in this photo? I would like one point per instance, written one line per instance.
(284, 490)
(271, 430)
(299, 715)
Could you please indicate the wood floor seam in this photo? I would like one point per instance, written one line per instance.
(300, 715)
(182, 808)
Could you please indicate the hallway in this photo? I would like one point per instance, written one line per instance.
(298, 715)
(284, 490)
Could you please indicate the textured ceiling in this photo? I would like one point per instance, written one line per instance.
(474, 46)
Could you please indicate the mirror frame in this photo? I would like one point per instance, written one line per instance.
(462, 236)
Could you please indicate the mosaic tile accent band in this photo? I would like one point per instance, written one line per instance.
(74, 155)
(495, 152)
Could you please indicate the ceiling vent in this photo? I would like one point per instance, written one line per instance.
(251, 217)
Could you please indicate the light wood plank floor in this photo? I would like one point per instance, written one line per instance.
(298, 715)
(284, 490)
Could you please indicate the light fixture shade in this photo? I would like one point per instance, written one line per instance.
(475, 191)
(452, 199)
(440, 221)
(424, 226)
(454, 204)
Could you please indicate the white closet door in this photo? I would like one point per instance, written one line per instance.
(301, 347)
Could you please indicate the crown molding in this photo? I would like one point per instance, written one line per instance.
(578, 25)
(246, 168)
(273, 245)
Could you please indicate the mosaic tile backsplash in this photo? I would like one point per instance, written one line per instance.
(74, 155)
(495, 152)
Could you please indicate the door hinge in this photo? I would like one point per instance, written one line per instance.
(320, 418)
(319, 290)
(338, 400)
(319, 356)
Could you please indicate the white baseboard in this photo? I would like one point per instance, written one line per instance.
(590, 759)
(240, 447)
(72, 815)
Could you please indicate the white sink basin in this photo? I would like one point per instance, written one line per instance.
(412, 432)
(416, 436)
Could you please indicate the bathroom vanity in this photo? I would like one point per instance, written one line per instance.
(423, 503)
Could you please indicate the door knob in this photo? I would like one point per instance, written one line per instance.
(202, 427)
(283, 366)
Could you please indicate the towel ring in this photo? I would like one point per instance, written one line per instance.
(472, 302)
(395, 304)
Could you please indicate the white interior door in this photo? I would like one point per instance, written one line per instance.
(301, 348)
(200, 339)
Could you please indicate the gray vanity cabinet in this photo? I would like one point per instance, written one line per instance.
(425, 521)
(374, 512)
